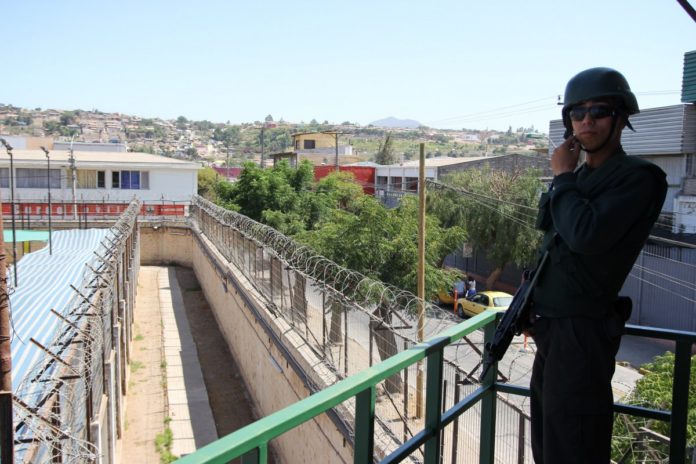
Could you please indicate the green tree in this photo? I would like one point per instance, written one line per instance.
(385, 153)
(382, 243)
(207, 184)
(229, 136)
(67, 118)
(654, 390)
(192, 153)
(279, 189)
(181, 123)
(497, 209)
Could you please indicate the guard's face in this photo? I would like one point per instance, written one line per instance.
(592, 122)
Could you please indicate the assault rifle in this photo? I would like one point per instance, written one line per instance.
(515, 320)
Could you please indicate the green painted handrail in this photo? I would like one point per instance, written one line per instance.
(256, 436)
(251, 442)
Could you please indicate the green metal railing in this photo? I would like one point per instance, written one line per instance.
(251, 442)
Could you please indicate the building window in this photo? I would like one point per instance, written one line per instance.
(4, 177)
(690, 165)
(411, 184)
(130, 180)
(396, 182)
(32, 178)
(310, 144)
(382, 181)
(90, 179)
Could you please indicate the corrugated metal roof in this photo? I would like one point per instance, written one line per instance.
(44, 284)
(668, 130)
(689, 78)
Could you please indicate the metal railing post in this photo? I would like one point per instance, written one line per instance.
(680, 404)
(364, 425)
(433, 401)
(488, 406)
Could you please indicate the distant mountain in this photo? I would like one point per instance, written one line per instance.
(393, 122)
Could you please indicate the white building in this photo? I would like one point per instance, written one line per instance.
(99, 176)
(393, 181)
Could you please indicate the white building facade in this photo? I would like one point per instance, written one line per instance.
(98, 176)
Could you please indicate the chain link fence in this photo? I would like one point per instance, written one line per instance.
(65, 407)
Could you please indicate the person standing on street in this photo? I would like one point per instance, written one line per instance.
(596, 219)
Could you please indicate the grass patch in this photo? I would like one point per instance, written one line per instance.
(139, 338)
(136, 366)
(163, 444)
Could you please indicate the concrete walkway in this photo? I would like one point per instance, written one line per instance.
(145, 403)
(192, 422)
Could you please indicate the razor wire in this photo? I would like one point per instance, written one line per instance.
(363, 313)
(59, 397)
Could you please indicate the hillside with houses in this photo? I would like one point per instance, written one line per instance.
(235, 143)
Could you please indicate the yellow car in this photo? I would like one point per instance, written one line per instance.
(446, 298)
(494, 301)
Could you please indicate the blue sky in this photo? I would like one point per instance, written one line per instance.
(449, 64)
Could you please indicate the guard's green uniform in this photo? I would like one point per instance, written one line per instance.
(596, 222)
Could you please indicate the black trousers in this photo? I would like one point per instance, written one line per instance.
(571, 395)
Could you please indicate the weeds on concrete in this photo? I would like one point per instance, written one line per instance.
(163, 444)
(136, 366)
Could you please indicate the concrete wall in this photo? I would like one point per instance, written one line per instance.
(162, 244)
(270, 369)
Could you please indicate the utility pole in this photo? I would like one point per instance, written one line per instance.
(8, 147)
(74, 178)
(421, 275)
(48, 179)
(336, 134)
(263, 129)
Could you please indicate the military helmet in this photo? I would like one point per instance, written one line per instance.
(597, 83)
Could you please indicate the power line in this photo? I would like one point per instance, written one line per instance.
(493, 110)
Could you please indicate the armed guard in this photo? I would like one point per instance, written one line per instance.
(596, 219)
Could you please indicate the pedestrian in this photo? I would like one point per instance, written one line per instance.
(470, 291)
(596, 219)
(459, 288)
(472, 283)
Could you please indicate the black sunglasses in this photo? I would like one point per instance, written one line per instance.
(595, 111)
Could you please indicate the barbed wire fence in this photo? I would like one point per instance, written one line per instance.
(351, 321)
(57, 402)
